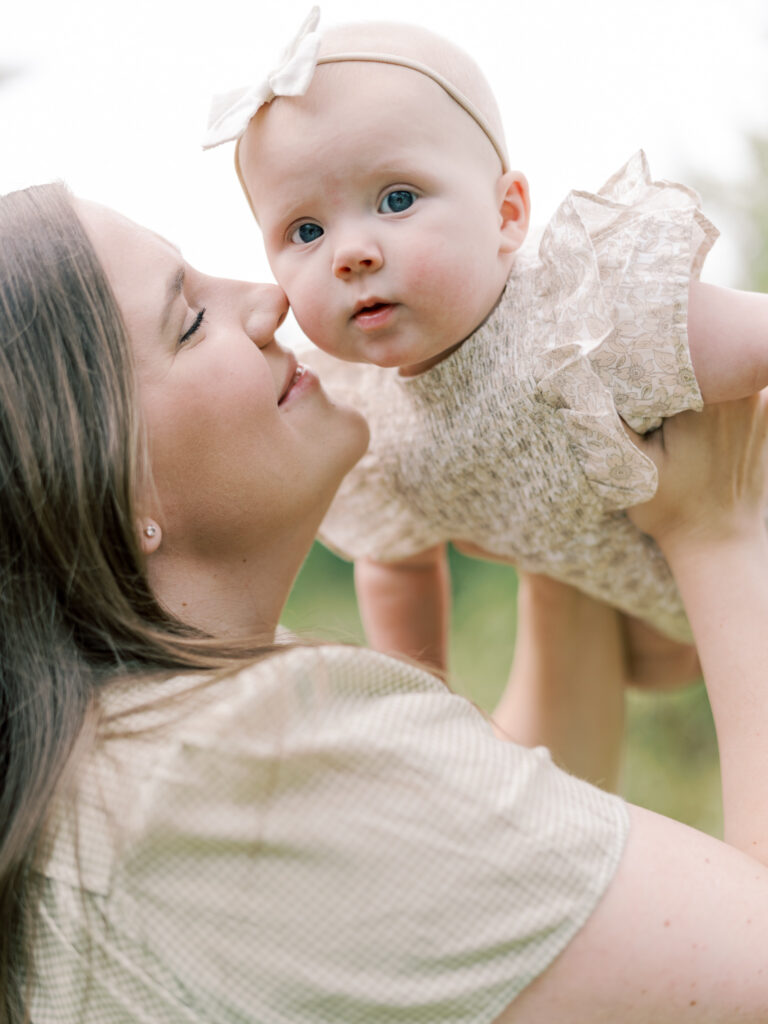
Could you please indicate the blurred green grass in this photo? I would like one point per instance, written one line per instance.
(670, 762)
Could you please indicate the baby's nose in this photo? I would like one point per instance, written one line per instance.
(357, 258)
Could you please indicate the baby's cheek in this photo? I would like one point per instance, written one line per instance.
(316, 322)
(305, 295)
(307, 312)
(321, 310)
(448, 280)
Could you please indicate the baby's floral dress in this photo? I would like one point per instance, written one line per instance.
(514, 442)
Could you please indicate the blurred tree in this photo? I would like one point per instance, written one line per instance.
(744, 206)
(756, 217)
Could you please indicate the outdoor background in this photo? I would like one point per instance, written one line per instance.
(112, 98)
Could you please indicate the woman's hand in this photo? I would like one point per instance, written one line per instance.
(712, 475)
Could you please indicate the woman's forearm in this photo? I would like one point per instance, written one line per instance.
(725, 589)
(708, 517)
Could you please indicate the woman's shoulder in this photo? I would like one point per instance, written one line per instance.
(176, 752)
(194, 753)
(336, 808)
(303, 681)
(326, 717)
(295, 687)
(284, 677)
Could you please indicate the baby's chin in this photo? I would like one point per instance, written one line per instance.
(412, 369)
(407, 365)
(410, 364)
(389, 354)
(371, 355)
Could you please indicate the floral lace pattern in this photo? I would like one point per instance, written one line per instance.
(515, 441)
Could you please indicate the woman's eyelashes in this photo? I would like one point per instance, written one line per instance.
(196, 325)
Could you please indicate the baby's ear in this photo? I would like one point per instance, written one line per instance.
(514, 204)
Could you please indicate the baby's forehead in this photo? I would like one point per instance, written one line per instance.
(426, 53)
(394, 106)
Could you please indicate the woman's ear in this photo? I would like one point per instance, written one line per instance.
(514, 204)
(150, 536)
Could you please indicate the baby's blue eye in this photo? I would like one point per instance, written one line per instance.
(397, 201)
(307, 232)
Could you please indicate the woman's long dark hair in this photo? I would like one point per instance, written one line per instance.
(75, 606)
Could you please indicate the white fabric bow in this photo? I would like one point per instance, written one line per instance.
(231, 111)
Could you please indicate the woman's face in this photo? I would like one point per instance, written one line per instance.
(246, 450)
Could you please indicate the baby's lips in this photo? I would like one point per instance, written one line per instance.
(369, 304)
(374, 316)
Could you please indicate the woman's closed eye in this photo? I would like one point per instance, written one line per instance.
(196, 325)
(397, 201)
(306, 233)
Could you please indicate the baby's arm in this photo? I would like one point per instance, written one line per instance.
(737, 366)
(405, 605)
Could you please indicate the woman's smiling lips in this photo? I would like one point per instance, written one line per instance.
(371, 314)
(297, 381)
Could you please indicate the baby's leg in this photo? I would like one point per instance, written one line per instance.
(728, 337)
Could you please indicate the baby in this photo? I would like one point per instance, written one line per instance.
(495, 378)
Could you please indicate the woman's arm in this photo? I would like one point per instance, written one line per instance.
(682, 932)
(680, 936)
(719, 555)
(740, 368)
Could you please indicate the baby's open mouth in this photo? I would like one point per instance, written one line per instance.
(373, 314)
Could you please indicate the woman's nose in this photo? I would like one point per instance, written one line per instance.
(357, 257)
(265, 309)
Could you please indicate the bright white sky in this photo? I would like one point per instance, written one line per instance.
(113, 97)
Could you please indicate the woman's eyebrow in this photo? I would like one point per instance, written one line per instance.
(174, 289)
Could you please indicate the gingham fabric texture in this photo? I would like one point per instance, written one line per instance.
(514, 441)
(328, 835)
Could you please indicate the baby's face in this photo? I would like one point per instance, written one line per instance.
(379, 199)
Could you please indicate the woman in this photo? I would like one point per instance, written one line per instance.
(200, 826)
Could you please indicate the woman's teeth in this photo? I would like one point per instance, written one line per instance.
(297, 374)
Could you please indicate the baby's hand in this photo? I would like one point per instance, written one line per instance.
(712, 474)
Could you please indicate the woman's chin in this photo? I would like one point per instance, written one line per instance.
(357, 434)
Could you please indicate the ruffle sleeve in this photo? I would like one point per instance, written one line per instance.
(615, 268)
